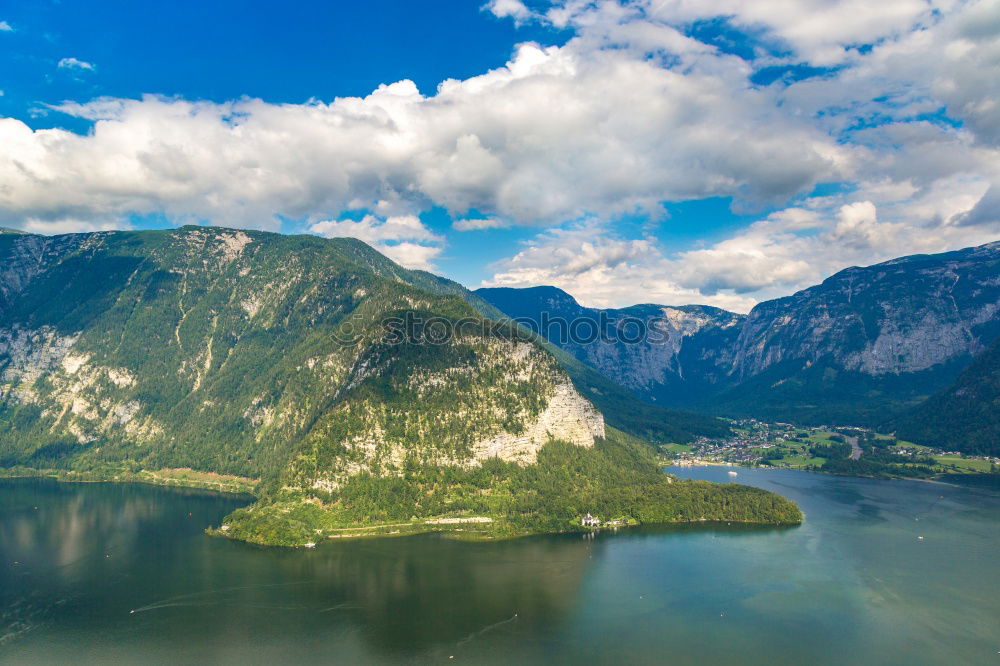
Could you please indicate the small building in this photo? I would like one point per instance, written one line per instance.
(590, 521)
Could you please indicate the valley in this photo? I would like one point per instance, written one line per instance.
(851, 451)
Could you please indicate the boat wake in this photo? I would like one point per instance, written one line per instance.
(485, 629)
(205, 598)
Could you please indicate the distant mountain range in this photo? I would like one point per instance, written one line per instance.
(866, 344)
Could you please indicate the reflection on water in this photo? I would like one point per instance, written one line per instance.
(95, 573)
(132, 559)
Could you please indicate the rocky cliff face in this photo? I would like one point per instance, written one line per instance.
(252, 354)
(876, 337)
(483, 398)
(902, 316)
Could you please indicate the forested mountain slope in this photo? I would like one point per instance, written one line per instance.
(965, 416)
(224, 350)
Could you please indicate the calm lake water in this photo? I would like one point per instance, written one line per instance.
(854, 584)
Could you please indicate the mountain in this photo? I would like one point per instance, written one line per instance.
(965, 416)
(662, 353)
(865, 343)
(587, 339)
(356, 391)
(229, 349)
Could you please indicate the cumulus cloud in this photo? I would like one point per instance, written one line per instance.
(556, 134)
(603, 270)
(373, 230)
(73, 63)
(821, 32)
(634, 110)
(6, 27)
(920, 182)
(411, 255)
(986, 212)
(69, 225)
(790, 249)
(514, 9)
(403, 238)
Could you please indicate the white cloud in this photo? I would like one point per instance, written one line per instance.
(821, 32)
(629, 113)
(481, 224)
(411, 255)
(920, 182)
(73, 63)
(68, 225)
(603, 270)
(790, 249)
(6, 27)
(403, 238)
(514, 9)
(556, 134)
(373, 230)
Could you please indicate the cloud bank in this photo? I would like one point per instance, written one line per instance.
(643, 105)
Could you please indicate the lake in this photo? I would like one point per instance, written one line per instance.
(98, 573)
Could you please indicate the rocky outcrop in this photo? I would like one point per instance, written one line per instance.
(655, 351)
(488, 415)
(567, 417)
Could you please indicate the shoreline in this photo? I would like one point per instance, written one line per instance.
(478, 536)
(937, 478)
(460, 528)
(225, 485)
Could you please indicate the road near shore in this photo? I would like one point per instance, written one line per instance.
(855, 449)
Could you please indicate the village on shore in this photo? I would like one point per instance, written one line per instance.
(755, 443)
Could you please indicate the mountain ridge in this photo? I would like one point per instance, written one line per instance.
(864, 343)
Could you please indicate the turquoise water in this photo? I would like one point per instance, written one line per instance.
(853, 584)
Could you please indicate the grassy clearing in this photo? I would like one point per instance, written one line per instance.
(799, 461)
(177, 477)
(192, 478)
(954, 464)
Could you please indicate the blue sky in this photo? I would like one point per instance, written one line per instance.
(279, 52)
(642, 151)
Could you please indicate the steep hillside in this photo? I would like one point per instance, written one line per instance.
(865, 343)
(601, 365)
(227, 350)
(621, 407)
(868, 341)
(965, 416)
(318, 366)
